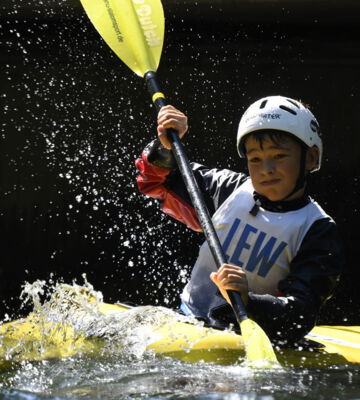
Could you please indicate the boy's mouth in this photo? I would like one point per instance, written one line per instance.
(270, 182)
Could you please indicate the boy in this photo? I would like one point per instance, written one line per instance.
(283, 251)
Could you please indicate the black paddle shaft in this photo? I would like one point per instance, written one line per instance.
(195, 194)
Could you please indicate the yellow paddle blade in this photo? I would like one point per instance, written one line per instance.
(133, 29)
(259, 351)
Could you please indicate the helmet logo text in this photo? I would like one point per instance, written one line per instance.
(265, 116)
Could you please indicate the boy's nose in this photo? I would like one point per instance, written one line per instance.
(268, 166)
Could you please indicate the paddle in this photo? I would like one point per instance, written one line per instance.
(134, 30)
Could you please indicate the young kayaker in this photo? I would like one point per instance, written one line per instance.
(283, 251)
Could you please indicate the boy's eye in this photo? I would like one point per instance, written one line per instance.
(254, 159)
(280, 155)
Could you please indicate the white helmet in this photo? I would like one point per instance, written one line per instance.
(283, 114)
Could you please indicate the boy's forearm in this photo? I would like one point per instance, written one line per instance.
(153, 182)
(284, 319)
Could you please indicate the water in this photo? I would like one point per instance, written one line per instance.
(84, 377)
(122, 368)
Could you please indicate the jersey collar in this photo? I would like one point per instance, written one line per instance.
(279, 206)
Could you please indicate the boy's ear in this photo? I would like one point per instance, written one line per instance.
(312, 158)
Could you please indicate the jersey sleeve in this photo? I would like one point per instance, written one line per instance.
(314, 273)
(160, 179)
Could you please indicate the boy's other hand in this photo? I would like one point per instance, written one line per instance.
(231, 277)
(170, 117)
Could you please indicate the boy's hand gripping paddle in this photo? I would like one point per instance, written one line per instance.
(134, 30)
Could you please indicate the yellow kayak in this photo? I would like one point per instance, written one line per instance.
(93, 327)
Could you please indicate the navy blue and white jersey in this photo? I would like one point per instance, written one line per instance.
(263, 245)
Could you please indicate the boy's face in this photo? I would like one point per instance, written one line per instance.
(274, 167)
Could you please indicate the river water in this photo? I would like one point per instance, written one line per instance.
(153, 378)
(124, 369)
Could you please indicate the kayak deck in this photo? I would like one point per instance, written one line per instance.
(164, 334)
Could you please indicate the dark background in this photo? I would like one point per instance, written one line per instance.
(74, 119)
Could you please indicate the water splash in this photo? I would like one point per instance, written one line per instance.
(72, 320)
